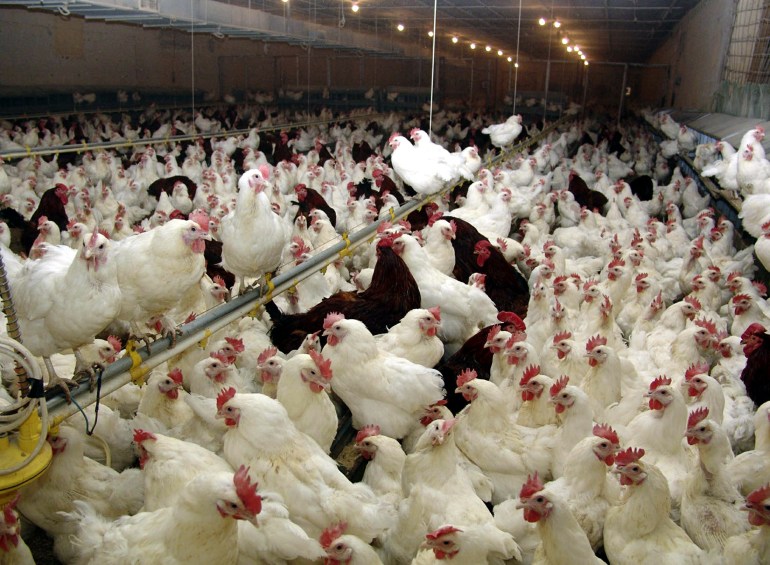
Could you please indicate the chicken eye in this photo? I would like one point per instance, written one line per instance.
(603, 444)
(339, 547)
(446, 542)
(539, 499)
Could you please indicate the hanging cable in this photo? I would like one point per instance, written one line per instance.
(192, 63)
(516, 64)
(432, 68)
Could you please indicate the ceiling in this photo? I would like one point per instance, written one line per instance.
(605, 30)
(626, 31)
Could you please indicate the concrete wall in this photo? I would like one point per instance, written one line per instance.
(695, 52)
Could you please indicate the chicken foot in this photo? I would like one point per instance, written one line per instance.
(55, 380)
(82, 368)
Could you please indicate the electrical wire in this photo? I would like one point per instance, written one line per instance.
(432, 68)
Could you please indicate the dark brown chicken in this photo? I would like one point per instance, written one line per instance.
(591, 199)
(167, 185)
(756, 348)
(504, 284)
(393, 292)
(473, 355)
(309, 199)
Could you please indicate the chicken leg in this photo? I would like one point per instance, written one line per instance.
(55, 380)
(82, 367)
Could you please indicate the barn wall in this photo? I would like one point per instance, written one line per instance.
(695, 52)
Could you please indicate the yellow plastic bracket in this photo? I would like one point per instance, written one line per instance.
(346, 251)
(205, 341)
(392, 215)
(137, 371)
(270, 286)
(28, 149)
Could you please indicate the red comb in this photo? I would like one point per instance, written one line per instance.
(759, 285)
(630, 455)
(367, 431)
(606, 431)
(492, 333)
(246, 490)
(264, 169)
(696, 369)
(114, 341)
(442, 531)
(436, 311)
(219, 280)
(41, 220)
(236, 343)
(511, 318)
(142, 435)
(529, 373)
(332, 318)
(434, 218)
(562, 335)
(220, 357)
(754, 329)
(697, 416)
(267, 354)
(640, 276)
(759, 495)
(532, 486)
(176, 375)
(201, 218)
(224, 396)
(694, 302)
(595, 341)
(708, 325)
(662, 380)
(332, 533)
(739, 297)
(8, 516)
(466, 376)
(616, 263)
(559, 385)
(515, 338)
(324, 365)
(453, 225)
(734, 275)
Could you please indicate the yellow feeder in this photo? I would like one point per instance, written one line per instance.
(15, 451)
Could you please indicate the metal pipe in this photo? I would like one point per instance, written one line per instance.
(30, 151)
(118, 373)
(622, 92)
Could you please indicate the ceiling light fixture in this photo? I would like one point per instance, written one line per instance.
(510, 60)
(569, 49)
(541, 21)
(488, 48)
(400, 27)
(583, 57)
(430, 33)
(473, 46)
(564, 40)
(516, 65)
(585, 63)
(557, 24)
(455, 39)
(576, 47)
(355, 7)
(499, 52)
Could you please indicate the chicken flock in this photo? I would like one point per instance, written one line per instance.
(560, 359)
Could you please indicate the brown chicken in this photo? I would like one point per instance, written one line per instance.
(756, 348)
(504, 284)
(393, 292)
(591, 199)
(309, 199)
(473, 355)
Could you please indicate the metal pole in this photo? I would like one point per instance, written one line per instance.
(622, 92)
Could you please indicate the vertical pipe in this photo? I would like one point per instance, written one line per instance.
(471, 93)
(585, 90)
(432, 68)
(547, 83)
(622, 91)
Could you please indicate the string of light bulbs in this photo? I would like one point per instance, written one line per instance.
(565, 40)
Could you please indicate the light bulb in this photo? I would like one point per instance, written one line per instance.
(564, 40)
(488, 48)
(583, 57)
(509, 59)
(499, 52)
(455, 39)
(430, 33)
(541, 21)
(585, 63)
(557, 24)
(577, 47)
(354, 7)
(400, 27)
(516, 65)
(569, 49)
(473, 46)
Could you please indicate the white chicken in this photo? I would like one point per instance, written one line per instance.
(379, 388)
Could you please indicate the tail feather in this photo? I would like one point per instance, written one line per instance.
(90, 529)
(273, 311)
